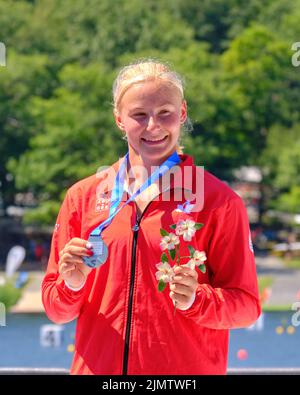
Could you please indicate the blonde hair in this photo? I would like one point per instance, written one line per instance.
(141, 71)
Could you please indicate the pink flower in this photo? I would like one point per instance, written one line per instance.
(165, 272)
(169, 242)
(186, 228)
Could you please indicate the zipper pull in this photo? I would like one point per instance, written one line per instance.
(136, 227)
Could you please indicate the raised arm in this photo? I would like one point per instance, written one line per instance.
(62, 304)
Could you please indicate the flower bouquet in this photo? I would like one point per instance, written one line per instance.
(170, 245)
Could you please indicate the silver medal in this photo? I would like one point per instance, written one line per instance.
(100, 251)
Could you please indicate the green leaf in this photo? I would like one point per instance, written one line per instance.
(164, 257)
(163, 232)
(192, 251)
(173, 226)
(202, 268)
(172, 254)
(161, 285)
(198, 225)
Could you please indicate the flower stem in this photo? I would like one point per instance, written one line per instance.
(169, 256)
(178, 252)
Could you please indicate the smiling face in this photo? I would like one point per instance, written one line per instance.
(151, 113)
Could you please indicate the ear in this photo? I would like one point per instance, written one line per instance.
(118, 120)
(183, 115)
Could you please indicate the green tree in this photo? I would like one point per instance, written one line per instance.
(217, 22)
(282, 17)
(101, 30)
(258, 67)
(281, 165)
(55, 93)
(23, 77)
(74, 135)
(14, 15)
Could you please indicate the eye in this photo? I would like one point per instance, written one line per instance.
(139, 114)
(164, 113)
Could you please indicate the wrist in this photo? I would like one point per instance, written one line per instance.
(73, 288)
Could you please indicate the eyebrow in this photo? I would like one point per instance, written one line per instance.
(143, 108)
(136, 109)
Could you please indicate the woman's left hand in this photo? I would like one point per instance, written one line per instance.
(183, 286)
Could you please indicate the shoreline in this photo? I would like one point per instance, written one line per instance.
(285, 288)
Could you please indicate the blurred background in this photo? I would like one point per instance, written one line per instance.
(242, 73)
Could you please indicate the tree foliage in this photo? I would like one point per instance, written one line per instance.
(56, 119)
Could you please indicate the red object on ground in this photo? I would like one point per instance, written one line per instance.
(242, 354)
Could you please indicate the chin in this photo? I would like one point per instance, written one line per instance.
(158, 156)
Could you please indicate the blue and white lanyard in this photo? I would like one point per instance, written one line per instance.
(118, 188)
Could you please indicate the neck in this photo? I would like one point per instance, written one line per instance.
(140, 168)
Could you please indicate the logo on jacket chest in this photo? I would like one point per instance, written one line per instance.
(102, 203)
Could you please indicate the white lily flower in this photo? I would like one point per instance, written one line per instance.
(191, 264)
(198, 258)
(186, 228)
(169, 242)
(165, 272)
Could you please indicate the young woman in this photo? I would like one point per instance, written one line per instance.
(109, 253)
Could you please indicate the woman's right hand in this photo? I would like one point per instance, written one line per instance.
(71, 266)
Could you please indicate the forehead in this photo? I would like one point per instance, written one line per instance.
(154, 93)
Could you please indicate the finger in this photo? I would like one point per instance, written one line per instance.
(77, 242)
(80, 264)
(184, 270)
(182, 289)
(83, 268)
(66, 267)
(185, 280)
(181, 299)
(69, 258)
(84, 271)
(79, 251)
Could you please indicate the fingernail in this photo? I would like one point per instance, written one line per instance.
(89, 245)
(91, 253)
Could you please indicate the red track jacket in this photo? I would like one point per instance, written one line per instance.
(125, 326)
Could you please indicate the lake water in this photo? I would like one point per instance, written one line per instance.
(274, 342)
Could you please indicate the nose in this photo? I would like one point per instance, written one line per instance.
(152, 123)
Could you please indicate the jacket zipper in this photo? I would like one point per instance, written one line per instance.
(135, 229)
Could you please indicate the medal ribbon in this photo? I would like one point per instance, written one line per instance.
(118, 188)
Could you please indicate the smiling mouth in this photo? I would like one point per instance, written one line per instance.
(154, 141)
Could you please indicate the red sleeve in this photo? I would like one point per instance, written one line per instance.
(61, 303)
(231, 299)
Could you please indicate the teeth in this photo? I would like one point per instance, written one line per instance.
(154, 140)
